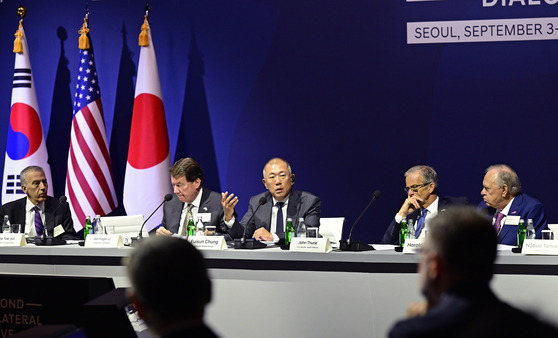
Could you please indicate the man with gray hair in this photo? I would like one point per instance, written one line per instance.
(455, 268)
(506, 204)
(38, 213)
(422, 203)
(268, 222)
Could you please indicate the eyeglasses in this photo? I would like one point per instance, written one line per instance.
(282, 177)
(416, 187)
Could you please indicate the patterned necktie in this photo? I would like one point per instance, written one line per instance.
(420, 223)
(186, 219)
(279, 227)
(498, 222)
(39, 228)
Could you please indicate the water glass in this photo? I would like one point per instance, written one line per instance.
(16, 228)
(547, 234)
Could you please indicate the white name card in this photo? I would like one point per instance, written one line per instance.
(539, 247)
(413, 245)
(208, 242)
(309, 244)
(12, 240)
(103, 241)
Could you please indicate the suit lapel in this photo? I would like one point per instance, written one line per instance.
(293, 206)
(514, 211)
(204, 202)
(264, 213)
(21, 213)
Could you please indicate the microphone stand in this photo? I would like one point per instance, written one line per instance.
(251, 243)
(349, 245)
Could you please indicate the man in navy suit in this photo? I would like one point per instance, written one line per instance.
(191, 200)
(455, 268)
(282, 202)
(506, 204)
(421, 205)
(38, 213)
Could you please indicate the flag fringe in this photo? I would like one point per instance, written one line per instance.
(83, 39)
(143, 38)
(18, 45)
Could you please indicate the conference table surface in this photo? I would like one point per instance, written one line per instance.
(281, 293)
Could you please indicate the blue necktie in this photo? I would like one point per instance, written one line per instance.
(279, 227)
(420, 223)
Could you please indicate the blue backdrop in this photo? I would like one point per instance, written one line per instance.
(332, 86)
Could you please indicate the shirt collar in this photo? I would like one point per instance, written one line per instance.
(29, 205)
(433, 208)
(506, 210)
(285, 201)
(197, 201)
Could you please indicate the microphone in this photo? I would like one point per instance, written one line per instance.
(47, 240)
(137, 239)
(243, 243)
(349, 245)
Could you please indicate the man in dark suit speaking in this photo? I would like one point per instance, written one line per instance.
(38, 213)
(282, 202)
(506, 204)
(422, 203)
(191, 200)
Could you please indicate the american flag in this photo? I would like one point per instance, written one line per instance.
(89, 182)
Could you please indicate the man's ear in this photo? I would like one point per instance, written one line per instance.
(505, 190)
(435, 268)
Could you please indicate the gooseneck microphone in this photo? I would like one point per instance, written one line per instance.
(244, 243)
(167, 198)
(350, 245)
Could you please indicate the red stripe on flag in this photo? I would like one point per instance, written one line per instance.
(91, 160)
(73, 199)
(89, 194)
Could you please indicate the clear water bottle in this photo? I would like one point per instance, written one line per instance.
(6, 228)
(99, 230)
(410, 229)
(530, 234)
(200, 228)
(301, 228)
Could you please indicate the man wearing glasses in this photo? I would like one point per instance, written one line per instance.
(282, 202)
(422, 203)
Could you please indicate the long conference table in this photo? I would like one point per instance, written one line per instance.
(275, 293)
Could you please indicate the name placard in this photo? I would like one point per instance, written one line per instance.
(103, 241)
(309, 244)
(12, 240)
(413, 245)
(539, 247)
(208, 242)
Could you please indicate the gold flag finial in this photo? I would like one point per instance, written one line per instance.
(83, 39)
(143, 38)
(18, 46)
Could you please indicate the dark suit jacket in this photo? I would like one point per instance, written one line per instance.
(301, 204)
(524, 206)
(210, 203)
(391, 236)
(55, 213)
(472, 310)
